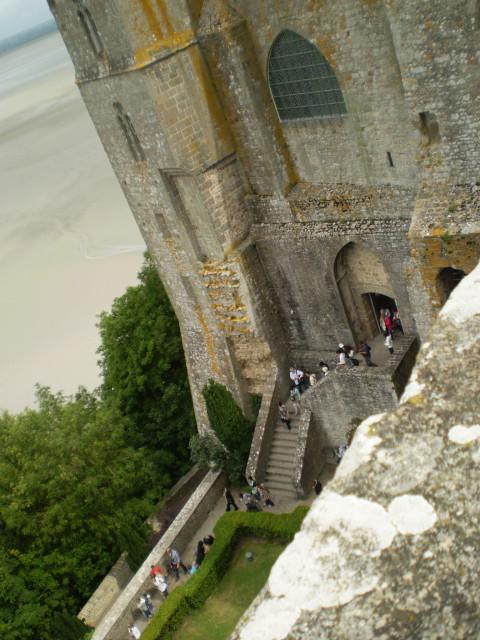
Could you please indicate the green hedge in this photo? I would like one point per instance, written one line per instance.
(230, 528)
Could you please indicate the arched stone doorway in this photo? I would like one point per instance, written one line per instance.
(447, 280)
(365, 288)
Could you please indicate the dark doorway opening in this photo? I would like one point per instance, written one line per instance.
(447, 280)
(376, 303)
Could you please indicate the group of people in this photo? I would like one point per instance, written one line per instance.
(159, 576)
(253, 499)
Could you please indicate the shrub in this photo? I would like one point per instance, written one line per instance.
(228, 531)
(233, 429)
(207, 451)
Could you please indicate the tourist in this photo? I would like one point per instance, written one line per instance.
(324, 368)
(389, 343)
(294, 376)
(266, 497)
(283, 414)
(341, 357)
(229, 499)
(388, 324)
(317, 487)
(176, 562)
(297, 377)
(312, 379)
(365, 350)
(295, 393)
(208, 541)
(250, 503)
(193, 568)
(155, 570)
(161, 583)
(397, 323)
(134, 631)
(200, 553)
(350, 353)
(145, 605)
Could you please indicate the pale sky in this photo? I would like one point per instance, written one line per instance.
(19, 15)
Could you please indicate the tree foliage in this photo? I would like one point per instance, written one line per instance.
(233, 429)
(68, 480)
(144, 372)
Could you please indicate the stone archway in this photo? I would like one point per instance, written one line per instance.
(359, 273)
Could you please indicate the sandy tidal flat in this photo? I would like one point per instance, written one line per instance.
(69, 243)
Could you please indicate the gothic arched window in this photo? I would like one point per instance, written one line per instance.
(302, 83)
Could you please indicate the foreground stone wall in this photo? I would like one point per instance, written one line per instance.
(389, 550)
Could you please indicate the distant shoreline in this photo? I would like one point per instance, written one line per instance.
(24, 37)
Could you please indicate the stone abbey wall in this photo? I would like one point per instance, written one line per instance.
(245, 214)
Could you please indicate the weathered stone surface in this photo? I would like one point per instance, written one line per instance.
(388, 551)
(246, 215)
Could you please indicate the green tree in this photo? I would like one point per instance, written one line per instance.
(233, 429)
(68, 480)
(144, 373)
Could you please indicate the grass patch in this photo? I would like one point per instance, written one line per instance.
(234, 593)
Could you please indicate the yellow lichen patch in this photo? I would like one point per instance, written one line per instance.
(327, 48)
(165, 18)
(152, 19)
(209, 340)
(416, 400)
(175, 41)
(437, 231)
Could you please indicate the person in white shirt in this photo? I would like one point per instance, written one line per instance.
(161, 583)
(134, 632)
(389, 343)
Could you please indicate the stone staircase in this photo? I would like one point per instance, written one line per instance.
(279, 474)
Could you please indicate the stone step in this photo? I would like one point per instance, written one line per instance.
(280, 470)
(288, 438)
(283, 471)
(280, 456)
(277, 488)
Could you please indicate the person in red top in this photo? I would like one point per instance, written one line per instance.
(389, 325)
(155, 570)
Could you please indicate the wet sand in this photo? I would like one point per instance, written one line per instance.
(69, 243)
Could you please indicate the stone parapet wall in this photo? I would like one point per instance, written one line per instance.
(275, 390)
(178, 535)
(308, 455)
(106, 593)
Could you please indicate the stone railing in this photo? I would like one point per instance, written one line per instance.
(302, 468)
(178, 535)
(275, 390)
(106, 593)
